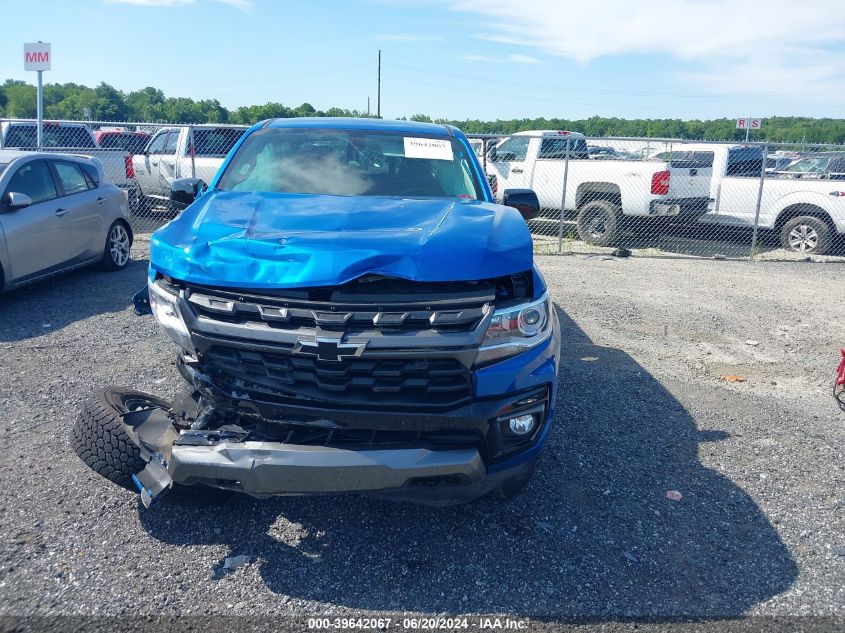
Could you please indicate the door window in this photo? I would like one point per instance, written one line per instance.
(837, 166)
(515, 149)
(35, 180)
(157, 144)
(71, 178)
(744, 162)
(170, 143)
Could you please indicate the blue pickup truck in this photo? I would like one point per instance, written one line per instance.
(354, 313)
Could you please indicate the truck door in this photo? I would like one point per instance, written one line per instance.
(737, 197)
(547, 180)
(511, 163)
(147, 168)
(168, 170)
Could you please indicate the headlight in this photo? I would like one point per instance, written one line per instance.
(513, 330)
(166, 312)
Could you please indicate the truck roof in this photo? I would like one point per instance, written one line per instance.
(47, 123)
(551, 133)
(7, 155)
(344, 123)
(681, 146)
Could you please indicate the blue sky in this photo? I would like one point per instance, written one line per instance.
(459, 59)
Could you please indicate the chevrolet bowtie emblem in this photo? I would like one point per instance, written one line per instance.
(328, 349)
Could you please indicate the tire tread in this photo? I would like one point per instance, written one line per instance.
(100, 441)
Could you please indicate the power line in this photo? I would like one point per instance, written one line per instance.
(638, 93)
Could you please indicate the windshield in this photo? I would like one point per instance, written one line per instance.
(351, 163)
(688, 159)
(809, 165)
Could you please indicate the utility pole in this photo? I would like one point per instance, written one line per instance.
(368, 106)
(378, 97)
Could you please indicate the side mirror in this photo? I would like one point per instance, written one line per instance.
(184, 191)
(523, 200)
(15, 200)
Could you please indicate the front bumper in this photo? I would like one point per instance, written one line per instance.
(273, 468)
(308, 442)
(420, 471)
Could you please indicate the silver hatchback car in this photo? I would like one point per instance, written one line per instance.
(57, 213)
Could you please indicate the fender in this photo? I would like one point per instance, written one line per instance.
(834, 206)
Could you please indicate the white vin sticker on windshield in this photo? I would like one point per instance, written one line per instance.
(428, 148)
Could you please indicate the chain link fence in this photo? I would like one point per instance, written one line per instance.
(674, 197)
(597, 195)
(142, 158)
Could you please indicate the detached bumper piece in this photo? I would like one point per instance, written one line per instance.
(154, 481)
(272, 468)
(151, 430)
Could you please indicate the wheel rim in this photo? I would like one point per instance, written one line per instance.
(803, 238)
(119, 245)
(597, 225)
(134, 404)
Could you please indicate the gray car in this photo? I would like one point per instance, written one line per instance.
(57, 213)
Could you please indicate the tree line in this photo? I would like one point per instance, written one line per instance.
(107, 103)
(148, 105)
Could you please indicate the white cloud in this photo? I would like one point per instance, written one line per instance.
(727, 45)
(243, 5)
(512, 59)
(407, 37)
(688, 29)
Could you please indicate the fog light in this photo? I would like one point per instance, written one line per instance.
(521, 424)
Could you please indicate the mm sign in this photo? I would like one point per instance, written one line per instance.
(36, 56)
(749, 124)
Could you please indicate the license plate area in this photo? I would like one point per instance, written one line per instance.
(661, 209)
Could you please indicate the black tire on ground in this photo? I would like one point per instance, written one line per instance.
(98, 437)
(116, 254)
(513, 486)
(598, 222)
(806, 234)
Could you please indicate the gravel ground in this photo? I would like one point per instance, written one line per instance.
(642, 410)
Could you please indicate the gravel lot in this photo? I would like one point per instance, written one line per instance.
(642, 411)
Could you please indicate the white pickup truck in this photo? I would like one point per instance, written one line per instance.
(69, 138)
(806, 214)
(172, 153)
(602, 194)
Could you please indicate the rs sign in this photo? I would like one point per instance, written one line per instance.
(36, 56)
(749, 124)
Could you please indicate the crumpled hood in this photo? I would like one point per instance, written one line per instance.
(276, 240)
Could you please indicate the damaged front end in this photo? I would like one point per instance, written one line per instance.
(378, 386)
(391, 339)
